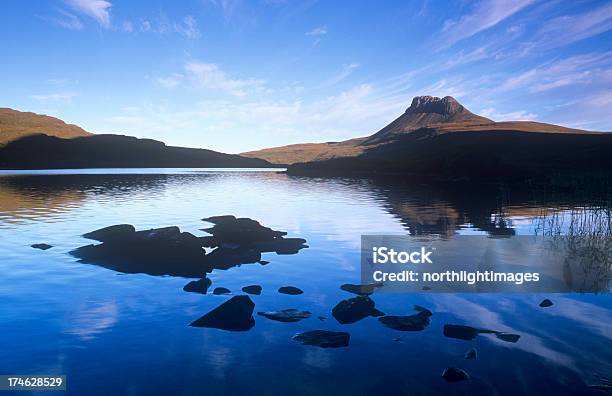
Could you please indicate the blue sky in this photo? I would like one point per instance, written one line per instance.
(235, 75)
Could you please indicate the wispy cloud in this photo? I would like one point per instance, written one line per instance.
(520, 115)
(96, 9)
(318, 31)
(579, 69)
(344, 72)
(66, 20)
(189, 28)
(486, 14)
(61, 97)
(568, 29)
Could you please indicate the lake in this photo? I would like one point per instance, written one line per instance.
(114, 333)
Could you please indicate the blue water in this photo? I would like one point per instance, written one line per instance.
(113, 333)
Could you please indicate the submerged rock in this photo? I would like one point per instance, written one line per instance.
(236, 314)
(467, 333)
(471, 354)
(322, 318)
(286, 315)
(546, 303)
(416, 322)
(41, 246)
(199, 286)
(221, 290)
(361, 290)
(292, 290)
(324, 338)
(513, 338)
(354, 309)
(454, 374)
(252, 289)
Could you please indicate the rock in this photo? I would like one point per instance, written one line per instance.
(292, 290)
(221, 290)
(324, 338)
(361, 290)
(112, 233)
(460, 332)
(546, 303)
(322, 318)
(355, 309)
(41, 246)
(199, 286)
(471, 354)
(513, 338)
(397, 339)
(426, 288)
(159, 251)
(415, 322)
(236, 314)
(264, 262)
(454, 374)
(286, 315)
(253, 289)
(230, 229)
(467, 333)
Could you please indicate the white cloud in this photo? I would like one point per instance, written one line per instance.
(210, 76)
(189, 28)
(65, 97)
(346, 71)
(578, 69)
(172, 81)
(127, 26)
(145, 26)
(485, 15)
(520, 115)
(318, 31)
(568, 29)
(96, 9)
(66, 20)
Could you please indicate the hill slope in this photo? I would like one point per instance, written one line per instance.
(441, 138)
(112, 151)
(17, 124)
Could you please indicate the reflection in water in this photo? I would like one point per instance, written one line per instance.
(100, 324)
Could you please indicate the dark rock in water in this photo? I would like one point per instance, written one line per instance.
(324, 338)
(253, 289)
(469, 333)
(471, 354)
(361, 290)
(546, 303)
(397, 339)
(159, 251)
(426, 288)
(292, 290)
(199, 286)
(322, 318)
(354, 309)
(230, 229)
(236, 314)
(454, 374)
(112, 233)
(221, 290)
(460, 332)
(264, 262)
(508, 337)
(416, 322)
(286, 315)
(41, 246)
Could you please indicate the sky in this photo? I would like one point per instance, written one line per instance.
(238, 75)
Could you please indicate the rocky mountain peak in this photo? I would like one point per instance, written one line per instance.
(430, 104)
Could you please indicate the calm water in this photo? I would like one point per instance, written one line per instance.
(112, 333)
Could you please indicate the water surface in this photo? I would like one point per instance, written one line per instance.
(114, 333)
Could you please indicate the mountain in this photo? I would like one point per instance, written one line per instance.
(440, 138)
(112, 151)
(17, 124)
(424, 111)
